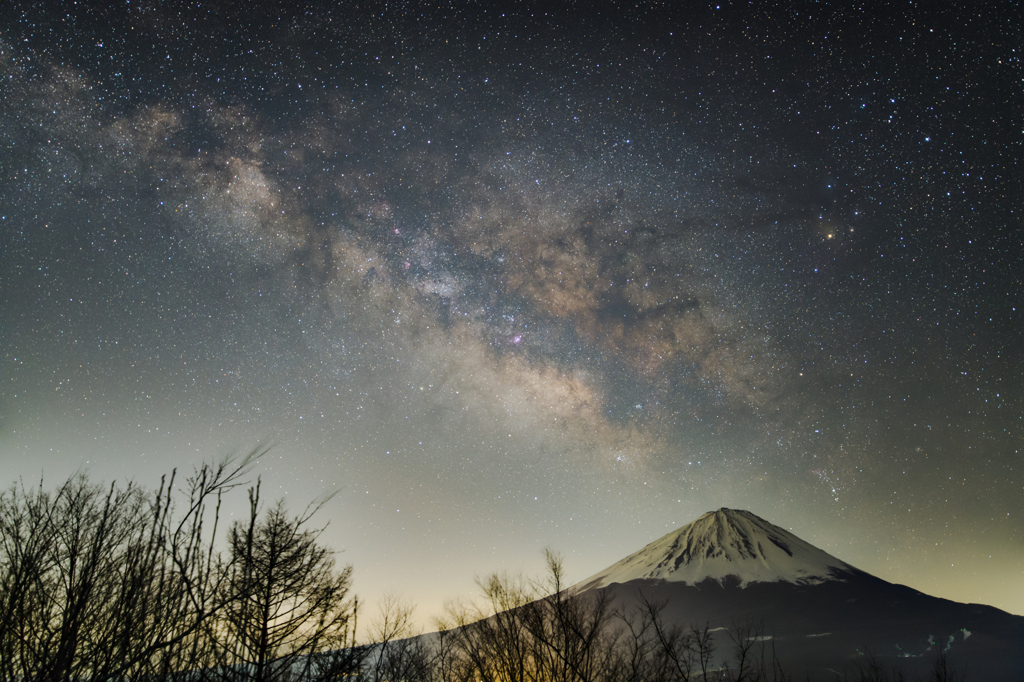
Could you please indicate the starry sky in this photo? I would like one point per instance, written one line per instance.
(516, 276)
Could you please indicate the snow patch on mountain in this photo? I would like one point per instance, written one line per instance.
(724, 543)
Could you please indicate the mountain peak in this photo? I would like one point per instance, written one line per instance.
(723, 543)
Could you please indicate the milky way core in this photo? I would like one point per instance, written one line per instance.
(525, 278)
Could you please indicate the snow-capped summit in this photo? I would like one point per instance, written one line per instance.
(727, 542)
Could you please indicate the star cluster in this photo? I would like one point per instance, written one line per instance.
(518, 277)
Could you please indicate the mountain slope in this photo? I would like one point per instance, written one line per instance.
(822, 615)
(724, 543)
(761, 597)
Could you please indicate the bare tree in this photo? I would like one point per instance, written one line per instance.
(676, 653)
(491, 639)
(638, 648)
(573, 637)
(25, 537)
(100, 583)
(190, 576)
(444, 663)
(285, 602)
(73, 562)
(529, 631)
(395, 653)
(754, 658)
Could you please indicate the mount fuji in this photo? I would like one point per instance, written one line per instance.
(823, 616)
(722, 544)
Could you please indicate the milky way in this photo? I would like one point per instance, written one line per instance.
(519, 279)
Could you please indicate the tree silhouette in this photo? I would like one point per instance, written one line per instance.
(99, 583)
(286, 603)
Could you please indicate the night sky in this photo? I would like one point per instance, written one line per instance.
(510, 277)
